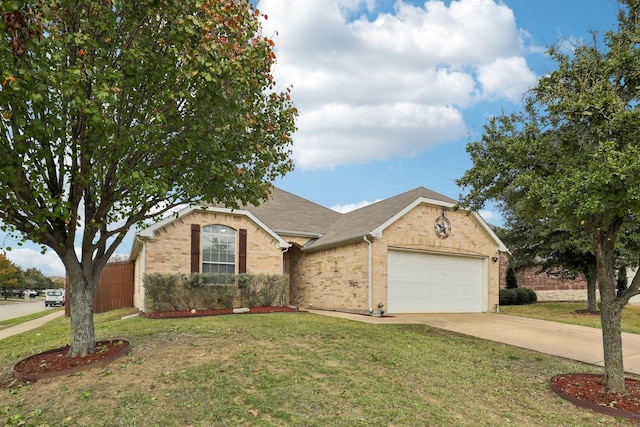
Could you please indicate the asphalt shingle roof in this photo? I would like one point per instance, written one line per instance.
(286, 212)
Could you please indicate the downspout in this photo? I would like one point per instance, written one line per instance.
(369, 279)
(284, 296)
(143, 271)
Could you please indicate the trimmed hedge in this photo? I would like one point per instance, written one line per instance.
(178, 292)
(517, 296)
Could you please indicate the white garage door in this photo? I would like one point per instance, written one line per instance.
(429, 283)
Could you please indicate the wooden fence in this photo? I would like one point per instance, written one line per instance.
(115, 288)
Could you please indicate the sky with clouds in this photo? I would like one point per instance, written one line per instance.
(390, 92)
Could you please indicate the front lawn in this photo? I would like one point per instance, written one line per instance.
(290, 369)
(565, 312)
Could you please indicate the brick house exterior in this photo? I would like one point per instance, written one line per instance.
(387, 256)
(548, 287)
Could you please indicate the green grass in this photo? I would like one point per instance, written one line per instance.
(17, 320)
(565, 312)
(294, 369)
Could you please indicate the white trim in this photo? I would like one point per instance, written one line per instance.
(150, 232)
(378, 230)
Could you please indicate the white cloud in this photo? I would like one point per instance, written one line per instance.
(373, 85)
(490, 217)
(352, 206)
(48, 263)
(506, 78)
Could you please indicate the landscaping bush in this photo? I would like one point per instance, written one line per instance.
(207, 290)
(262, 289)
(517, 296)
(507, 297)
(522, 296)
(162, 290)
(532, 295)
(512, 280)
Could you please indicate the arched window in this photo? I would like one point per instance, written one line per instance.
(218, 249)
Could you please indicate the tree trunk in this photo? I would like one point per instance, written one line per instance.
(610, 318)
(83, 340)
(591, 276)
(610, 309)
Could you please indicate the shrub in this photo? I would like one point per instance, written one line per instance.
(272, 288)
(507, 297)
(226, 294)
(512, 280)
(532, 295)
(162, 290)
(208, 290)
(522, 296)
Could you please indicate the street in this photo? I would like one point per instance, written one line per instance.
(14, 308)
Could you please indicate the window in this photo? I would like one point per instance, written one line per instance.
(218, 249)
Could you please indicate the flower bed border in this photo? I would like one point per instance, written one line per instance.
(33, 377)
(605, 410)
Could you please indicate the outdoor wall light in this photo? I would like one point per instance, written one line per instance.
(494, 259)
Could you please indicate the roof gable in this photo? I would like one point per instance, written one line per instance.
(150, 232)
(284, 213)
(372, 219)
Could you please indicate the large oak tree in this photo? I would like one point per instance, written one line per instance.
(113, 112)
(573, 155)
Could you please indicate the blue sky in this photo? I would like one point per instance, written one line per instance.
(390, 92)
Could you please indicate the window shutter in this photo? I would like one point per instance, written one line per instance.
(242, 252)
(195, 248)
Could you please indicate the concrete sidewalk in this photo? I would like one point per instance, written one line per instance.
(573, 342)
(31, 324)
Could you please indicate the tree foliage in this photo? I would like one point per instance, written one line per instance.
(114, 112)
(9, 275)
(571, 158)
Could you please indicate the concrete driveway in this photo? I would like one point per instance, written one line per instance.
(569, 341)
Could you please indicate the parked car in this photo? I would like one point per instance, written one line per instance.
(54, 297)
(18, 293)
(31, 293)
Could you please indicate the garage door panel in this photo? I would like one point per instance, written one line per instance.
(431, 283)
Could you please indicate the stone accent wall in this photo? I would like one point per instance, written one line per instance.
(564, 295)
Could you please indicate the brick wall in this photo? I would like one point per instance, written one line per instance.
(170, 251)
(531, 277)
(331, 279)
(337, 278)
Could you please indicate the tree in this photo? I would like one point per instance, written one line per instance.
(557, 250)
(9, 273)
(512, 280)
(34, 279)
(573, 155)
(114, 112)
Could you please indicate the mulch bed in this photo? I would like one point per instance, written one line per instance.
(588, 391)
(214, 312)
(54, 363)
